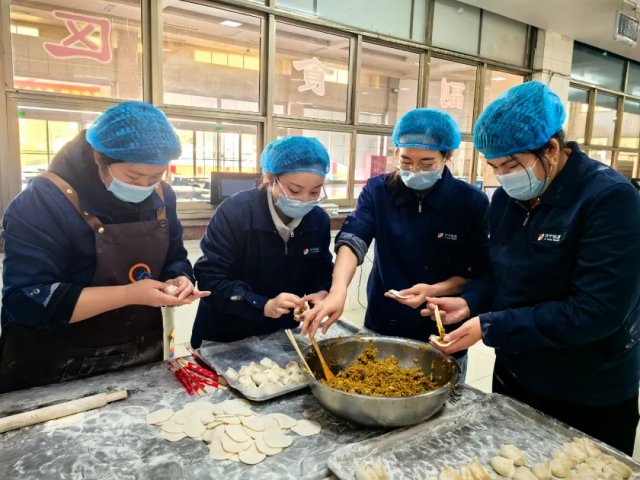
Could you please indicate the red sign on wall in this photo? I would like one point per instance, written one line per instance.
(78, 43)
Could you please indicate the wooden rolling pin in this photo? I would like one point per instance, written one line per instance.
(13, 422)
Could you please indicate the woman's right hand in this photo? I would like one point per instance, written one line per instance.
(281, 305)
(332, 306)
(452, 309)
(150, 293)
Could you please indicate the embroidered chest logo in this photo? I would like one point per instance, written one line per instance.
(550, 237)
(448, 236)
(139, 271)
(311, 251)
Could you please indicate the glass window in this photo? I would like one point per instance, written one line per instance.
(374, 156)
(503, 39)
(211, 57)
(43, 132)
(388, 84)
(451, 89)
(456, 26)
(338, 145)
(604, 119)
(628, 164)
(312, 73)
(61, 49)
(497, 82)
(597, 67)
(603, 156)
(633, 79)
(630, 124)
(577, 109)
(381, 16)
(460, 164)
(210, 147)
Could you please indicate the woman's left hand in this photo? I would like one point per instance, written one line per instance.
(315, 298)
(463, 337)
(186, 291)
(415, 296)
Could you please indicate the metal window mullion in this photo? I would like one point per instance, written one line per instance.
(352, 168)
(481, 75)
(423, 79)
(355, 61)
(269, 52)
(590, 116)
(428, 31)
(152, 42)
(10, 176)
(617, 132)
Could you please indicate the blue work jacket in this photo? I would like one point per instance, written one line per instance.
(419, 239)
(246, 263)
(50, 250)
(566, 300)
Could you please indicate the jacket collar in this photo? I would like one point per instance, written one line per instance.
(435, 198)
(564, 188)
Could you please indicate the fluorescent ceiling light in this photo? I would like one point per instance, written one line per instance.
(498, 79)
(230, 23)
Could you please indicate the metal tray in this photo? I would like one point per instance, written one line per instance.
(275, 346)
(476, 431)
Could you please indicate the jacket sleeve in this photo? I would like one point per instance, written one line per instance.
(177, 263)
(358, 229)
(214, 271)
(605, 284)
(37, 227)
(320, 275)
(476, 265)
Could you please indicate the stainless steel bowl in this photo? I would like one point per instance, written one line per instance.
(382, 411)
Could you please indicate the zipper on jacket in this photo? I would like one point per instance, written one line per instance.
(529, 212)
(420, 206)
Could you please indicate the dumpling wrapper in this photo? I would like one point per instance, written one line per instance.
(436, 339)
(194, 427)
(276, 439)
(237, 433)
(254, 423)
(171, 436)
(251, 456)
(232, 446)
(306, 428)
(216, 450)
(159, 416)
(285, 422)
(266, 449)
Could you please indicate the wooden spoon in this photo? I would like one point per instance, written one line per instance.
(328, 374)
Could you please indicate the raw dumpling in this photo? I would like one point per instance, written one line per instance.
(448, 473)
(559, 468)
(503, 466)
(523, 473)
(621, 469)
(478, 471)
(365, 472)
(542, 471)
(465, 473)
(514, 453)
(574, 451)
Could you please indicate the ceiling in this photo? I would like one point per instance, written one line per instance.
(588, 21)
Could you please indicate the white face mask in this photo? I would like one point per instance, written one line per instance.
(129, 193)
(523, 184)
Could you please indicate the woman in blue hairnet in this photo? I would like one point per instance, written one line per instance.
(565, 247)
(90, 247)
(266, 250)
(430, 230)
